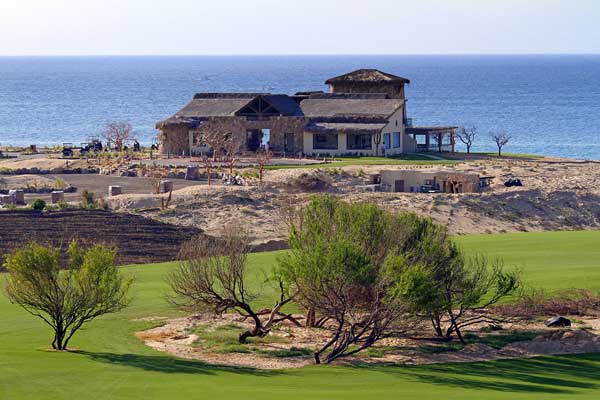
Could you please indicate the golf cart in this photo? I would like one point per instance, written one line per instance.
(67, 150)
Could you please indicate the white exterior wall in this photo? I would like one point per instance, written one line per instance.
(396, 124)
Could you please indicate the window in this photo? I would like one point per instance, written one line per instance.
(325, 141)
(266, 137)
(396, 140)
(386, 141)
(359, 142)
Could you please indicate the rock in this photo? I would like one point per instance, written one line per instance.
(557, 322)
(191, 173)
(231, 180)
(7, 199)
(513, 182)
(127, 173)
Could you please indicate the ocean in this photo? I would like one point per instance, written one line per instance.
(549, 104)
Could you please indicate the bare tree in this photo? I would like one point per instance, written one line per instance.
(501, 139)
(232, 149)
(217, 132)
(117, 133)
(208, 164)
(212, 276)
(262, 160)
(467, 136)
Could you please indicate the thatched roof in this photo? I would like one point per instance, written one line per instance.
(334, 108)
(206, 105)
(331, 107)
(367, 76)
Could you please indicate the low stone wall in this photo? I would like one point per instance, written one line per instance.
(38, 171)
(42, 190)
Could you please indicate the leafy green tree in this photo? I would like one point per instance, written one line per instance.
(449, 289)
(66, 296)
(338, 265)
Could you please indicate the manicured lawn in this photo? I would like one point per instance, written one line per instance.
(510, 155)
(113, 364)
(550, 260)
(408, 159)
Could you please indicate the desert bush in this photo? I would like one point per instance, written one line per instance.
(537, 303)
(87, 200)
(65, 296)
(447, 288)
(341, 264)
(38, 204)
(310, 182)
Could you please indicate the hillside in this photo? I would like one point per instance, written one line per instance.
(139, 239)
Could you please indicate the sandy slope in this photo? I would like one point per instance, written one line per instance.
(555, 195)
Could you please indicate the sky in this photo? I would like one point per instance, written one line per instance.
(201, 27)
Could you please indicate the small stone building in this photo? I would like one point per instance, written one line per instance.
(425, 181)
(364, 114)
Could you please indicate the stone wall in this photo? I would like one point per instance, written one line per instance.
(174, 140)
(279, 126)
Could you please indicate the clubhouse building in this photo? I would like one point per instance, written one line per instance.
(364, 113)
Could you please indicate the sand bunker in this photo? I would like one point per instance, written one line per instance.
(177, 337)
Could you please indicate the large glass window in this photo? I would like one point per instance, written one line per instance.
(325, 141)
(396, 139)
(359, 142)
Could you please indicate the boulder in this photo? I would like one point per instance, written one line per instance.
(7, 199)
(191, 173)
(557, 322)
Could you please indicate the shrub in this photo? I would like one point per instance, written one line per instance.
(87, 200)
(535, 303)
(38, 205)
(339, 264)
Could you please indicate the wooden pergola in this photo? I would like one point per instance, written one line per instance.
(433, 138)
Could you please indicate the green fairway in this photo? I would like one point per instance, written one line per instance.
(113, 364)
(549, 260)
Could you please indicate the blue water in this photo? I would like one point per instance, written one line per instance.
(549, 104)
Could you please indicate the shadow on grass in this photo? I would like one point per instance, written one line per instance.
(171, 365)
(553, 375)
